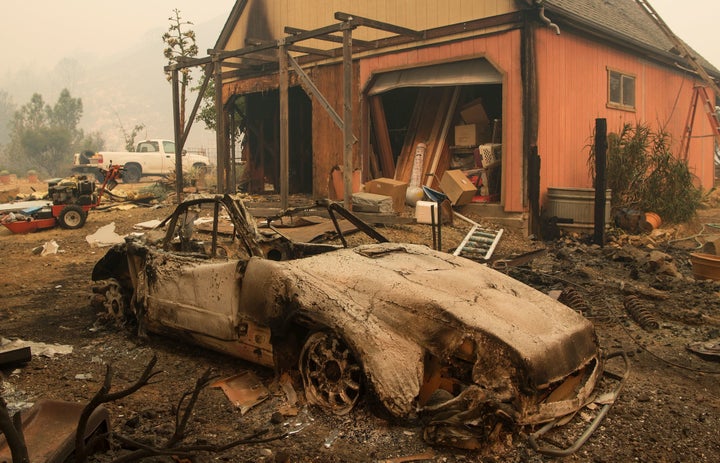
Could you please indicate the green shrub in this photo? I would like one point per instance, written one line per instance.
(643, 173)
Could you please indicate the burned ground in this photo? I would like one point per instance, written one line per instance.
(669, 409)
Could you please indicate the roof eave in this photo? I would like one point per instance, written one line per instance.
(584, 26)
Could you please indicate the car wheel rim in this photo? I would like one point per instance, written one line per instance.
(114, 302)
(331, 375)
(73, 218)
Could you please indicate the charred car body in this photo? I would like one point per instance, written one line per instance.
(428, 333)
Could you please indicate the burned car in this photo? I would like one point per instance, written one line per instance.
(428, 334)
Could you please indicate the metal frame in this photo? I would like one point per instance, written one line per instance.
(282, 63)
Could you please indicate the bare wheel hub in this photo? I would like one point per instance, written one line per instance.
(115, 301)
(331, 375)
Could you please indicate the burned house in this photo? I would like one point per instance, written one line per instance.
(357, 85)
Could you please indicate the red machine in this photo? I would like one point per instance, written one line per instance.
(72, 198)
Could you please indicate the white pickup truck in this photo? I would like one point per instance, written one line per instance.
(151, 157)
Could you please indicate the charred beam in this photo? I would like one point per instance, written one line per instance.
(330, 38)
(309, 87)
(387, 27)
(296, 48)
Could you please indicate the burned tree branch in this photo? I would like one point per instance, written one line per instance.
(143, 450)
(181, 423)
(12, 428)
(102, 396)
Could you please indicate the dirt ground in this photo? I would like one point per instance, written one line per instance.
(669, 410)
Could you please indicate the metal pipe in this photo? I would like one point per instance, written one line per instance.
(547, 21)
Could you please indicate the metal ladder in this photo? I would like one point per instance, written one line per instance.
(690, 57)
(698, 93)
(479, 244)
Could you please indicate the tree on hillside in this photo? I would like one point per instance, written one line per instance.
(44, 137)
(180, 44)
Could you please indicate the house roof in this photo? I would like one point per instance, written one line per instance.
(624, 21)
(620, 19)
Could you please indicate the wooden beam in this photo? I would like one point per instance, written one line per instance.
(347, 105)
(196, 106)
(310, 87)
(175, 79)
(220, 130)
(384, 147)
(330, 38)
(245, 66)
(360, 21)
(312, 51)
(284, 126)
(442, 136)
(296, 48)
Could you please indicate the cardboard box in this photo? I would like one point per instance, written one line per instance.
(389, 187)
(474, 113)
(467, 135)
(424, 211)
(457, 187)
(369, 202)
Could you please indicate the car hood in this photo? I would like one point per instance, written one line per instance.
(437, 301)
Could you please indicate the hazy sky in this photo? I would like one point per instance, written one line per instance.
(33, 31)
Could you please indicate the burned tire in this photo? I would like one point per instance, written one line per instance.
(131, 173)
(117, 302)
(72, 217)
(331, 375)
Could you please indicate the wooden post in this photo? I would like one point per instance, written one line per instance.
(220, 131)
(178, 135)
(347, 116)
(534, 190)
(600, 180)
(284, 126)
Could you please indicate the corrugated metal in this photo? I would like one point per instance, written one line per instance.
(573, 93)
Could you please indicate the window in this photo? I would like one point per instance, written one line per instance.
(621, 90)
(169, 146)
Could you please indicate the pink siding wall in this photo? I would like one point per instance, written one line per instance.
(503, 51)
(573, 93)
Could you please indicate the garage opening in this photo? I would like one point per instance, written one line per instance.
(262, 148)
(455, 109)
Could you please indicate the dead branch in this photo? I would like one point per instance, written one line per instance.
(182, 417)
(12, 429)
(144, 451)
(102, 396)
(181, 422)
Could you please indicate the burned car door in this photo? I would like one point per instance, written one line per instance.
(194, 280)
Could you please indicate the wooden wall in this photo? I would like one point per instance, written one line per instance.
(573, 93)
(266, 19)
(327, 138)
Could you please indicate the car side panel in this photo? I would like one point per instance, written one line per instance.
(195, 296)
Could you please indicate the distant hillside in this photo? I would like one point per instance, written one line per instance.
(125, 86)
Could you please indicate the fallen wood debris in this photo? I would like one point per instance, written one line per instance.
(14, 356)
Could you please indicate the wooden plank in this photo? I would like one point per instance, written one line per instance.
(15, 356)
(419, 130)
(382, 136)
(284, 128)
(441, 142)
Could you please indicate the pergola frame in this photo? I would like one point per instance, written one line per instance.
(283, 63)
